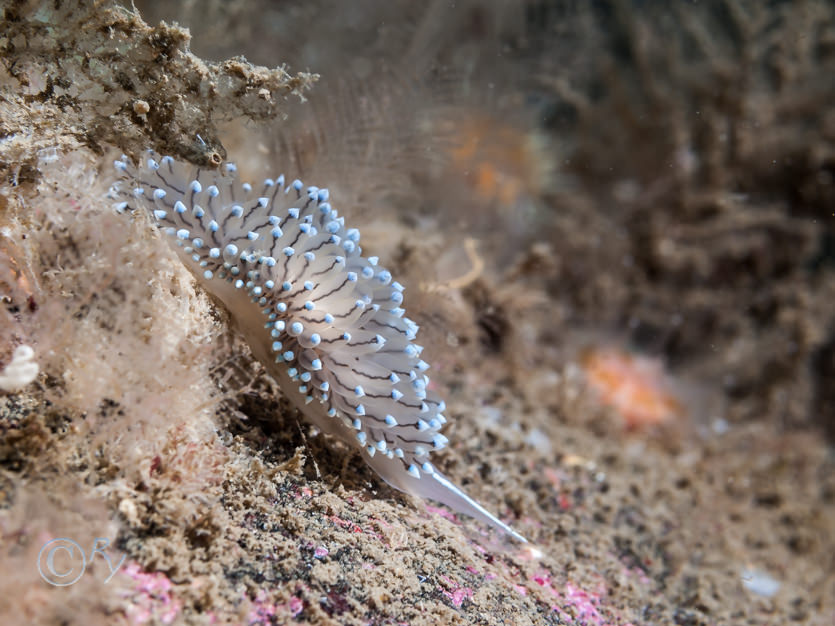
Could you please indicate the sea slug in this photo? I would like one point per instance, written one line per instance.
(326, 322)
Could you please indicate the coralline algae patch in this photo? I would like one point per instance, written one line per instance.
(635, 387)
(576, 605)
(152, 599)
(362, 557)
(571, 602)
(341, 563)
(264, 611)
(454, 592)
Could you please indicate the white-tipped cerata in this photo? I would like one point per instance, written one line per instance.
(325, 321)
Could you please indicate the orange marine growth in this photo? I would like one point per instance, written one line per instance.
(635, 386)
(500, 162)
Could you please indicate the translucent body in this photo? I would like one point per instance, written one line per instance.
(325, 321)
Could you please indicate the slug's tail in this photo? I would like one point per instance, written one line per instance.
(434, 485)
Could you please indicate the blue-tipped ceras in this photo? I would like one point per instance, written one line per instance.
(325, 322)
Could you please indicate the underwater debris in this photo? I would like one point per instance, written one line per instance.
(21, 371)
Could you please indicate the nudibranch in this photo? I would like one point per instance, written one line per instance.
(325, 321)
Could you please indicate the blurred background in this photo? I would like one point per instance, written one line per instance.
(657, 175)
